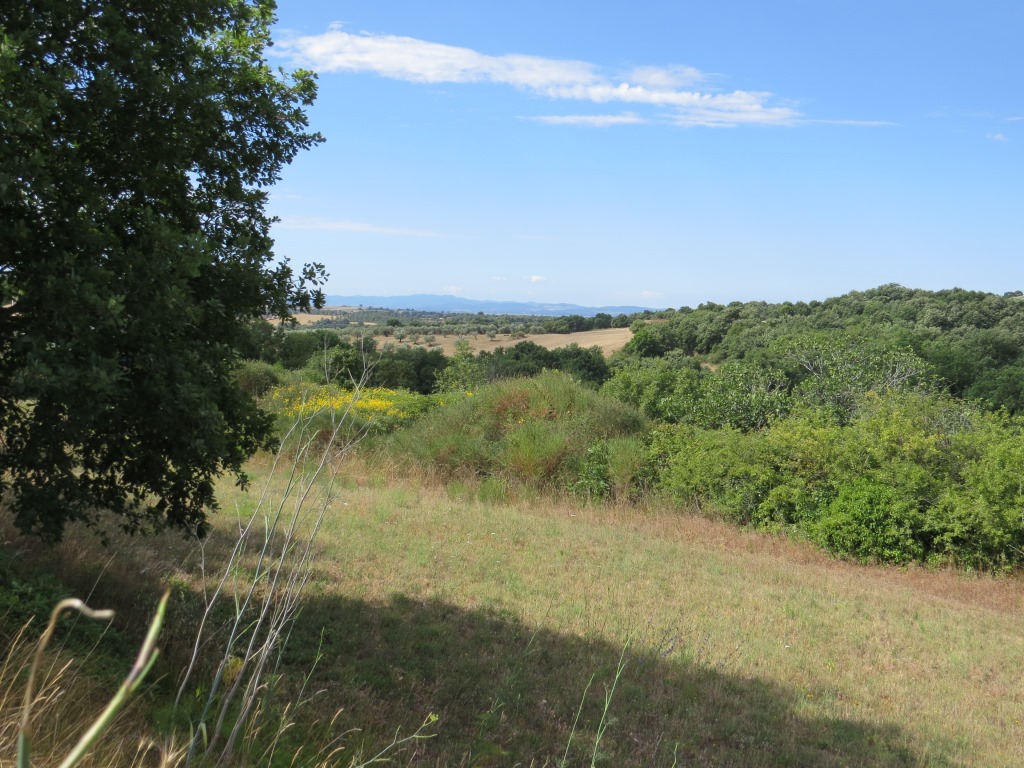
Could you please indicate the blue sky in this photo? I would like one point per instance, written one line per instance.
(657, 153)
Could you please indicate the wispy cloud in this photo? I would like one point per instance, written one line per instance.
(867, 123)
(672, 76)
(597, 121)
(421, 61)
(996, 137)
(536, 278)
(314, 223)
(452, 289)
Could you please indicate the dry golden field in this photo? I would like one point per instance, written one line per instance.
(608, 339)
(304, 318)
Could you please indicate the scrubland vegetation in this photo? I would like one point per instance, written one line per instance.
(755, 535)
(807, 554)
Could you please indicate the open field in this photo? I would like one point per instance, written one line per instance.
(309, 318)
(608, 339)
(507, 615)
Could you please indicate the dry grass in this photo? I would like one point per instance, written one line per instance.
(309, 318)
(65, 702)
(741, 648)
(608, 339)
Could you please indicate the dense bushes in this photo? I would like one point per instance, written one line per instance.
(968, 338)
(531, 430)
(256, 377)
(913, 476)
(528, 358)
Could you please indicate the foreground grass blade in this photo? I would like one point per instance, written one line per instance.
(143, 663)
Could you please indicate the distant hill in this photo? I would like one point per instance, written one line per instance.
(429, 302)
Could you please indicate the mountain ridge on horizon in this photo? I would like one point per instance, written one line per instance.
(432, 302)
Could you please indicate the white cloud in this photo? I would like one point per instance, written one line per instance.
(672, 76)
(499, 279)
(867, 123)
(421, 61)
(996, 137)
(450, 289)
(314, 223)
(536, 279)
(599, 121)
(651, 294)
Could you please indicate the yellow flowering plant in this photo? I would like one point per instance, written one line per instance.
(376, 409)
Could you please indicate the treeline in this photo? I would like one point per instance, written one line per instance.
(401, 324)
(324, 356)
(972, 342)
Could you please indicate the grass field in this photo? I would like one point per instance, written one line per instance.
(508, 615)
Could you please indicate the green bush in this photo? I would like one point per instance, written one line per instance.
(723, 471)
(871, 520)
(256, 377)
(980, 523)
(912, 477)
(529, 430)
(628, 466)
(592, 481)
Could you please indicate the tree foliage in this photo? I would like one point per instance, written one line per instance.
(135, 251)
(966, 337)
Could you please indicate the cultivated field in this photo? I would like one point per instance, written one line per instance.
(608, 339)
(307, 318)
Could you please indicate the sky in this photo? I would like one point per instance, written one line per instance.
(657, 153)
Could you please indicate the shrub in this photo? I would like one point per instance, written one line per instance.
(913, 476)
(981, 523)
(871, 520)
(530, 430)
(615, 467)
(368, 409)
(256, 377)
(723, 471)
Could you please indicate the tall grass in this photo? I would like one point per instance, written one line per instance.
(54, 712)
(231, 698)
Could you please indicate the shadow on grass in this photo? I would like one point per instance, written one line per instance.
(508, 696)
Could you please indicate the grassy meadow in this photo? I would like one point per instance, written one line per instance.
(543, 632)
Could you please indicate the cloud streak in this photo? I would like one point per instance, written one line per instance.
(421, 61)
(335, 225)
(598, 121)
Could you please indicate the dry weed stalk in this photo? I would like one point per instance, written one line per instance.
(266, 598)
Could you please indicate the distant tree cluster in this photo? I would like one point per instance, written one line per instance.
(326, 355)
(391, 323)
(973, 342)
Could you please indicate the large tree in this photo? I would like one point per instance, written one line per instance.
(138, 139)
